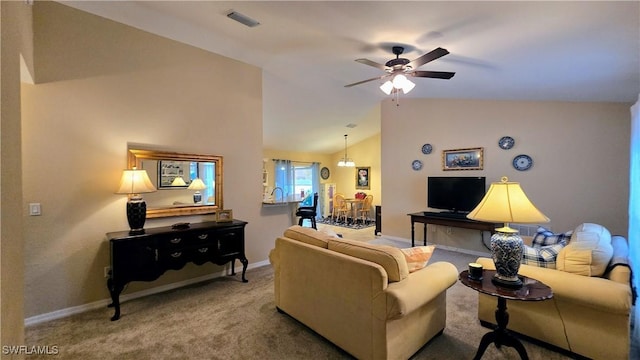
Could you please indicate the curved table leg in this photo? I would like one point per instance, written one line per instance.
(114, 291)
(245, 262)
(487, 339)
(500, 335)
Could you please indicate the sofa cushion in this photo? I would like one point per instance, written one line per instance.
(588, 252)
(542, 256)
(418, 257)
(389, 257)
(545, 237)
(308, 235)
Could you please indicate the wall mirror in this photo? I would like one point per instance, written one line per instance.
(177, 177)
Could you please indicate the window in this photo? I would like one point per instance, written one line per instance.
(296, 178)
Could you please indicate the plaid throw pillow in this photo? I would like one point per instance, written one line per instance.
(544, 237)
(544, 256)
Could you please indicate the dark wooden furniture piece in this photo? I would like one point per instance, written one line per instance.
(531, 290)
(144, 257)
(309, 212)
(447, 219)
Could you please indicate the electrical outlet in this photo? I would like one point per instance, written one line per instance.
(449, 230)
(107, 271)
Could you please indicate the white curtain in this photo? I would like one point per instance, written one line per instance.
(634, 208)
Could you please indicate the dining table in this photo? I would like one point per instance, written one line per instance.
(354, 205)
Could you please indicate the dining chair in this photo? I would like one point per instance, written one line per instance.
(340, 207)
(309, 212)
(365, 209)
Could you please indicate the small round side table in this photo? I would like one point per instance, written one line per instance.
(531, 290)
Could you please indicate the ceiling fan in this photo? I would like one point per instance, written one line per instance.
(400, 68)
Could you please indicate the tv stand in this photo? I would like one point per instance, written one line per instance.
(447, 219)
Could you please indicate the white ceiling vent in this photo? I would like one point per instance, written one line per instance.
(243, 19)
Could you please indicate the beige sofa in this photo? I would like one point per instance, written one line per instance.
(589, 313)
(360, 297)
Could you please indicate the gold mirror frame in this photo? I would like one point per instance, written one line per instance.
(135, 157)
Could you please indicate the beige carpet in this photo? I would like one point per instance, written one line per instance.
(227, 319)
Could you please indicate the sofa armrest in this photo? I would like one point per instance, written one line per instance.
(593, 292)
(419, 288)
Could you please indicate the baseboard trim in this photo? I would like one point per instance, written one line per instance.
(443, 247)
(464, 251)
(62, 313)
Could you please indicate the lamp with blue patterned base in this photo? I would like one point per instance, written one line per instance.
(506, 202)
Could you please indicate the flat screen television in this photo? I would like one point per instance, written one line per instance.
(455, 193)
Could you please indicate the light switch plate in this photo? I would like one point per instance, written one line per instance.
(34, 209)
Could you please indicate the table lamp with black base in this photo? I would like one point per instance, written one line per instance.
(506, 202)
(133, 183)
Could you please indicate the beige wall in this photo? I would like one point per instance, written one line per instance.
(15, 27)
(103, 85)
(580, 153)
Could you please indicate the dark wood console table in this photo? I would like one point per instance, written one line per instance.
(438, 218)
(144, 257)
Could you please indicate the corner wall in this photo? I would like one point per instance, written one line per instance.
(100, 86)
(15, 27)
(580, 153)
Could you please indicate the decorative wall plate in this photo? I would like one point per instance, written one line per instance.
(426, 149)
(506, 142)
(522, 162)
(416, 165)
(324, 173)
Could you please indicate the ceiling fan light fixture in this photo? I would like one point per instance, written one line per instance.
(399, 81)
(408, 86)
(387, 87)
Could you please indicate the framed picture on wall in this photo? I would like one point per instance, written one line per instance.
(362, 178)
(463, 159)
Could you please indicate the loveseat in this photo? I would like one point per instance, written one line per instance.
(592, 297)
(360, 297)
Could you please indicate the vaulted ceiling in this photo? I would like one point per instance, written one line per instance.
(560, 51)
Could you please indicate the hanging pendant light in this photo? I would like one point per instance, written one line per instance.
(346, 162)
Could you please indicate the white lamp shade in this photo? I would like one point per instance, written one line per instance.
(506, 202)
(178, 181)
(135, 181)
(346, 163)
(197, 184)
(408, 86)
(387, 87)
(399, 81)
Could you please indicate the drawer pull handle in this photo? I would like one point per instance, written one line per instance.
(176, 254)
(203, 236)
(203, 250)
(175, 241)
(218, 244)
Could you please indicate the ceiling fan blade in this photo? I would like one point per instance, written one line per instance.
(434, 74)
(364, 81)
(372, 63)
(430, 56)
